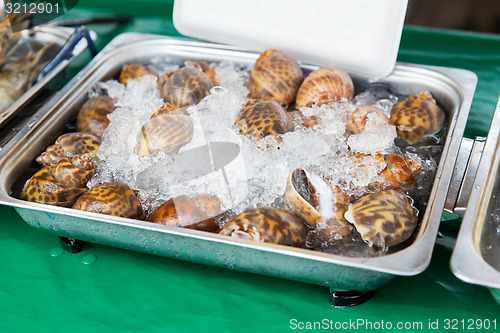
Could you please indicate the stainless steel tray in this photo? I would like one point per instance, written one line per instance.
(453, 88)
(476, 256)
(37, 39)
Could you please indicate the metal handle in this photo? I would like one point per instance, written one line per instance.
(463, 176)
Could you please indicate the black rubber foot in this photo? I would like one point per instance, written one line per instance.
(71, 245)
(344, 299)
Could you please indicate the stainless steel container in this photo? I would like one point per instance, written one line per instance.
(476, 256)
(453, 88)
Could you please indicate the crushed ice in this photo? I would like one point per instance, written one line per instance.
(242, 172)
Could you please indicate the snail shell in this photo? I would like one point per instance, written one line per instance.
(267, 224)
(62, 184)
(133, 72)
(316, 202)
(403, 169)
(259, 119)
(186, 86)
(324, 85)
(398, 171)
(112, 198)
(93, 116)
(199, 65)
(196, 213)
(205, 67)
(69, 145)
(299, 120)
(169, 109)
(275, 76)
(167, 133)
(385, 218)
(417, 117)
(356, 122)
(211, 73)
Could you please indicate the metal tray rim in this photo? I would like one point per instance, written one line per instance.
(464, 79)
(466, 261)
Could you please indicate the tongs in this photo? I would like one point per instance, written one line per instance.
(80, 33)
(68, 48)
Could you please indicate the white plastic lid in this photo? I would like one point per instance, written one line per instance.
(361, 36)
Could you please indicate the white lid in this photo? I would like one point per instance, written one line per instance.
(361, 36)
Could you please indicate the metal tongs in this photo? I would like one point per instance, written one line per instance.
(80, 33)
(68, 48)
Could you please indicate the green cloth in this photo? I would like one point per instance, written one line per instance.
(105, 289)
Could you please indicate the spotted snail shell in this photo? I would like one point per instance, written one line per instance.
(267, 224)
(192, 213)
(324, 85)
(417, 117)
(112, 198)
(133, 72)
(69, 145)
(167, 132)
(385, 218)
(275, 76)
(205, 67)
(186, 86)
(316, 202)
(62, 184)
(93, 116)
(259, 119)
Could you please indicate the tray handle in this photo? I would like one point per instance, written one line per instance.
(463, 175)
(466, 167)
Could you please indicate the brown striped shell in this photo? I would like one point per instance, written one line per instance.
(316, 202)
(69, 145)
(403, 169)
(275, 76)
(417, 117)
(93, 116)
(385, 218)
(259, 119)
(356, 122)
(182, 211)
(62, 184)
(267, 224)
(166, 133)
(169, 109)
(112, 198)
(133, 72)
(186, 86)
(324, 85)
(398, 171)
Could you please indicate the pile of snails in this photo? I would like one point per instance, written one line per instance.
(383, 216)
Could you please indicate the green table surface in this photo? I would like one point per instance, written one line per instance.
(105, 289)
